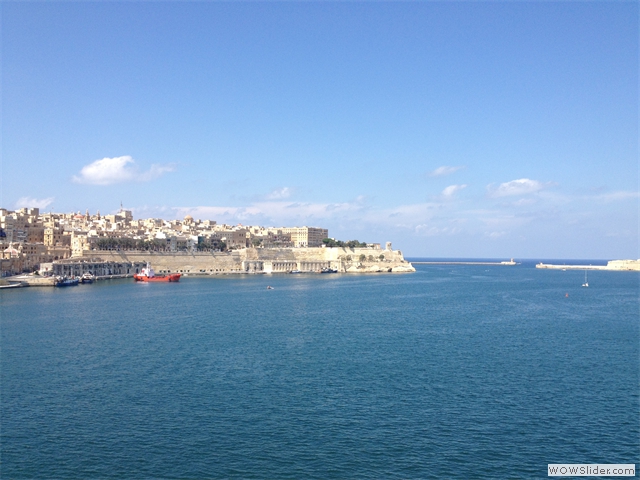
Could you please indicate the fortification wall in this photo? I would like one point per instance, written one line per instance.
(263, 260)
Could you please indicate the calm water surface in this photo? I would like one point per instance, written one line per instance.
(463, 372)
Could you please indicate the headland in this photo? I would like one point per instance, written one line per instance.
(117, 245)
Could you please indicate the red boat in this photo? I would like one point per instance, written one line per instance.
(148, 275)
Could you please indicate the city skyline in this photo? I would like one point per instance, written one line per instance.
(453, 130)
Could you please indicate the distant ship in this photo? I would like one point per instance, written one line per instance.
(148, 275)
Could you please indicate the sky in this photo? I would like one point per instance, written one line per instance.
(452, 129)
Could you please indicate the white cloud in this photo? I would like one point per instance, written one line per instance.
(523, 186)
(452, 190)
(444, 170)
(354, 215)
(154, 172)
(284, 192)
(31, 202)
(118, 170)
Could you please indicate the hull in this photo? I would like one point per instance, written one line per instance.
(174, 277)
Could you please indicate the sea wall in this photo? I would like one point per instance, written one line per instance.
(616, 265)
(263, 260)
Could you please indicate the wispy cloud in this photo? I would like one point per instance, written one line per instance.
(273, 212)
(433, 231)
(284, 192)
(522, 186)
(615, 196)
(31, 202)
(451, 190)
(118, 170)
(444, 170)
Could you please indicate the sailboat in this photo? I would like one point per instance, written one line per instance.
(586, 283)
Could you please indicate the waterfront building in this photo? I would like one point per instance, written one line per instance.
(56, 236)
(306, 236)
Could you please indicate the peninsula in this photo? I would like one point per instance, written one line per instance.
(118, 245)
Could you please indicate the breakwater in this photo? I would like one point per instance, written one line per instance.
(613, 265)
(506, 263)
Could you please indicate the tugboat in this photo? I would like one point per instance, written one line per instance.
(148, 275)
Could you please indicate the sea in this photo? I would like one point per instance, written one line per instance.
(454, 371)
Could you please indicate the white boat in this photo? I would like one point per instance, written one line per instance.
(87, 278)
(15, 285)
(586, 283)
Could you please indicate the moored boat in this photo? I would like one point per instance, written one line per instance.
(148, 275)
(66, 281)
(87, 278)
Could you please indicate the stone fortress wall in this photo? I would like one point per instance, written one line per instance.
(264, 260)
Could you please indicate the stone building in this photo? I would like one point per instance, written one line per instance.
(306, 236)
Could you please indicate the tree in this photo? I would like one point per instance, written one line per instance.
(362, 257)
(381, 257)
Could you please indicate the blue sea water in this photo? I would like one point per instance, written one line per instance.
(452, 371)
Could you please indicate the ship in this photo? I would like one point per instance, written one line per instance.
(148, 275)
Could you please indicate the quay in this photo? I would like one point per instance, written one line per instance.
(509, 263)
(29, 280)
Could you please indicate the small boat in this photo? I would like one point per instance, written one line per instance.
(66, 281)
(269, 287)
(295, 271)
(148, 275)
(586, 283)
(87, 278)
(15, 285)
(328, 270)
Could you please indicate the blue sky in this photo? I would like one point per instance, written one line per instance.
(467, 129)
